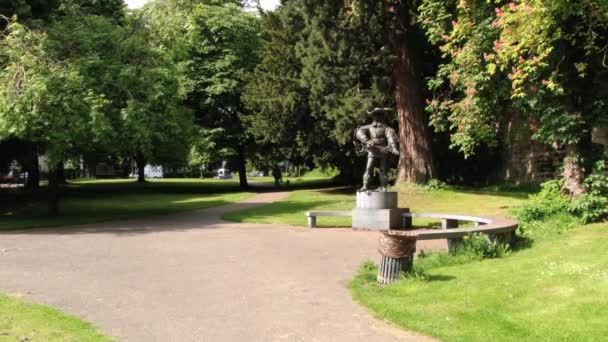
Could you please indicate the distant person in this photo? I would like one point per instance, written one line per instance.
(278, 176)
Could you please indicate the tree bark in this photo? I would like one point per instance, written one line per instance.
(33, 172)
(141, 167)
(573, 173)
(53, 193)
(415, 160)
(242, 169)
(90, 161)
(61, 174)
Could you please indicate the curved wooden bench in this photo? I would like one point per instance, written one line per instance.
(494, 228)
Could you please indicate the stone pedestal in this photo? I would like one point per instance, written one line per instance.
(377, 211)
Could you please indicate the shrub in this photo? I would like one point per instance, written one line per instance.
(435, 184)
(472, 247)
(545, 213)
(547, 202)
(480, 245)
(592, 206)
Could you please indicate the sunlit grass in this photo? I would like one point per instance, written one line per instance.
(555, 291)
(291, 211)
(20, 321)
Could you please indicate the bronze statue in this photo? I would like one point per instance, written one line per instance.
(378, 140)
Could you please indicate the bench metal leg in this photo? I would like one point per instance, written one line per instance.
(453, 244)
(449, 224)
(312, 221)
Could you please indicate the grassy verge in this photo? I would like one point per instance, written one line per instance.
(459, 201)
(555, 291)
(21, 321)
(291, 211)
(98, 201)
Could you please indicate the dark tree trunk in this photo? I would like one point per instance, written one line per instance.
(53, 193)
(242, 168)
(125, 168)
(61, 174)
(415, 160)
(140, 160)
(33, 172)
(90, 161)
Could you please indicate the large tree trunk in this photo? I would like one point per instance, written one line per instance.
(90, 162)
(415, 160)
(33, 172)
(61, 174)
(573, 173)
(141, 167)
(242, 169)
(53, 193)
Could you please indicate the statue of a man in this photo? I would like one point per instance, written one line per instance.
(379, 141)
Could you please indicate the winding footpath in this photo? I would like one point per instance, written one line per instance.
(194, 277)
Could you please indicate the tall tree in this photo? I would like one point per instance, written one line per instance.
(85, 83)
(349, 57)
(279, 114)
(416, 158)
(213, 43)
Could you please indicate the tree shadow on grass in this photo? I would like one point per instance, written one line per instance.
(439, 277)
(128, 222)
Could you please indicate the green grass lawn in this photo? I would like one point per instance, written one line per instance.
(96, 201)
(93, 200)
(555, 291)
(21, 321)
(291, 211)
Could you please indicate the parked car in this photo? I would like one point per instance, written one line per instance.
(256, 174)
(151, 171)
(12, 177)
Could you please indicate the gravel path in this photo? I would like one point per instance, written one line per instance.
(194, 277)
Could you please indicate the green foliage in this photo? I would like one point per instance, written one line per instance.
(213, 46)
(540, 58)
(435, 184)
(85, 83)
(473, 247)
(592, 206)
(550, 211)
(45, 100)
(319, 173)
(480, 245)
(205, 150)
(322, 66)
(547, 202)
(277, 102)
(545, 213)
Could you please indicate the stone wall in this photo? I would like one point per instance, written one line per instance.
(525, 160)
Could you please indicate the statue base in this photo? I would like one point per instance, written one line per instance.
(377, 211)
